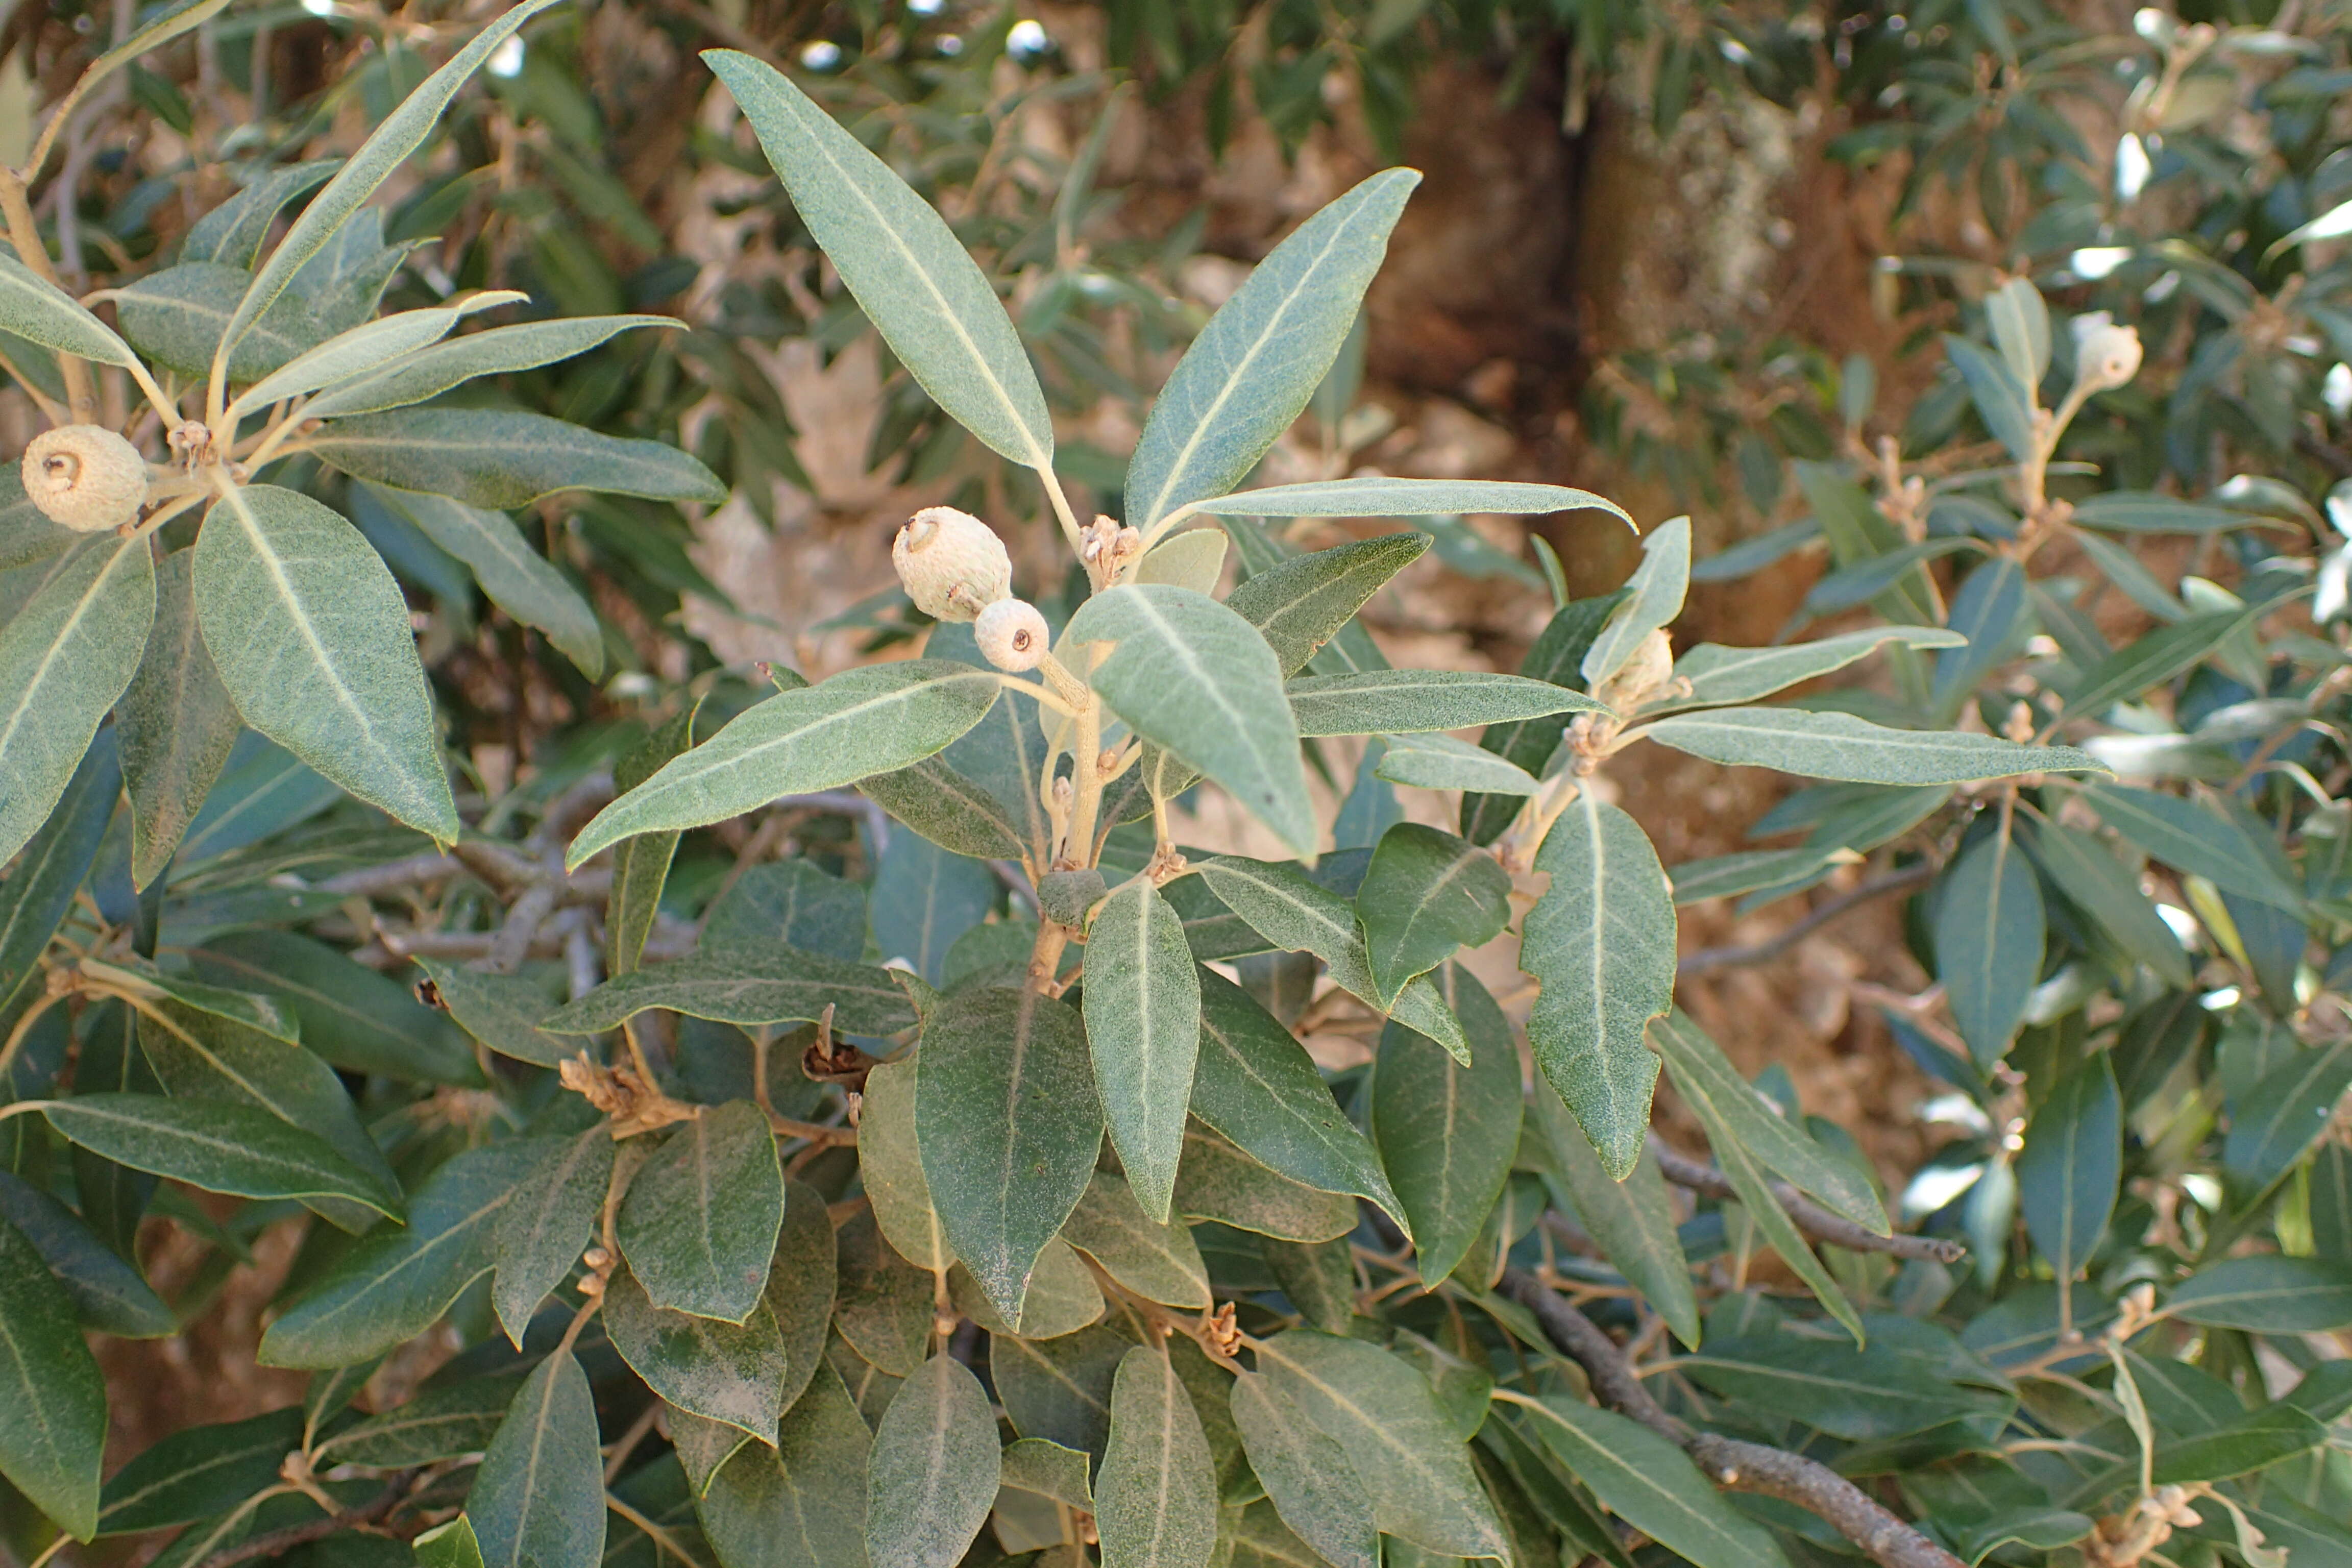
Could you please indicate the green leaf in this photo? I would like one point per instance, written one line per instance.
(1383, 1413)
(231, 234)
(54, 1437)
(1600, 943)
(1989, 943)
(2268, 1295)
(1008, 1124)
(364, 348)
(39, 311)
(1191, 676)
(1440, 762)
(955, 812)
(64, 659)
(222, 1148)
(867, 721)
(1527, 744)
(890, 1164)
(450, 1545)
(2274, 1122)
(516, 578)
(501, 458)
(1142, 1010)
(543, 1231)
(387, 147)
(1063, 1296)
(2157, 659)
(1647, 1481)
(931, 1475)
(2070, 1169)
(1413, 701)
(2191, 837)
(361, 1021)
(537, 1500)
(1426, 895)
(2005, 403)
(1831, 745)
(1252, 368)
(1059, 1390)
(802, 1284)
(1446, 1131)
(2145, 512)
(502, 1011)
(724, 1372)
(2095, 882)
(399, 1279)
(1720, 674)
(928, 300)
(803, 1505)
(1282, 905)
(439, 1422)
(1633, 1219)
(198, 1471)
(1299, 604)
(1194, 559)
(1255, 1084)
(1306, 1474)
(311, 637)
(1655, 598)
(748, 986)
(175, 317)
(176, 722)
(1381, 497)
(1776, 871)
(427, 373)
(1155, 1258)
(1156, 1495)
(700, 1221)
(923, 899)
(107, 1293)
(2256, 1440)
(1857, 1395)
(1218, 1181)
(40, 889)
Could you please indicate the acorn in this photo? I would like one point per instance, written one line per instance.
(85, 477)
(2106, 356)
(952, 563)
(1012, 635)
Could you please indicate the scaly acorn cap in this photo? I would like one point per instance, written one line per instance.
(85, 476)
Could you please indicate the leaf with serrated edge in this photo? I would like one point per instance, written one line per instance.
(1156, 1494)
(932, 1472)
(1412, 701)
(1142, 1010)
(1840, 746)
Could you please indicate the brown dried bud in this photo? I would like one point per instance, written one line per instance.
(85, 476)
(952, 564)
(1012, 635)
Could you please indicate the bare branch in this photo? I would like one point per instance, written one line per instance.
(1812, 1218)
(1727, 1462)
(1711, 958)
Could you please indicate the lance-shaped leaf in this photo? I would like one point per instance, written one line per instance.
(803, 1505)
(39, 311)
(1255, 1084)
(231, 234)
(1297, 915)
(1306, 1474)
(1654, 599)
(1440, 762)
(400, 133)
(1989, 941)
(2268, 1295)
(1889, 1390)
(1156, 1258)
(434, 1424)
(890, 1164)
(1008, 1124)
(361, 1021)
(311, 637)
(2158, 657)
(1413, 701)
(537, 1500)
(518, 579)
(1600, 942)
(40, 887)
(1447, 1131)
(63, 658)
(1633, 1219)
(748, 986)
(701, 1220)
(1255, 365)
(2095, 882)
(1383, 1413)
(237, 1148)
(2070, 1168)
(501, 458)
(429, 372)
(1651, 1485)
(1300, 603)
(399, 1279)
(1426, 895)
(1218, 1181)
(641, 864)
(2190, 838)
(107, 1293)
(1156, 1495)
(546, 1224)
(723, 1371)
(1841, 746)
(1405, 498)
(932, 1472)
(55, 1437)
(1142, 1008)
(197, 1471)
(1193, 678)
(502, 1011)
(927, 297)
(366, 347)
(1528, 743)
(863, 722)
(1722, 674)
(177, 723)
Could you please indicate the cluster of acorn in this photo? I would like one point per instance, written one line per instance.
(85, 476)
(956, 569)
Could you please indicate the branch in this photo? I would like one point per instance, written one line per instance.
(1707, 958)
(1812, 1218)
(276, 1541)
(1729, 1462)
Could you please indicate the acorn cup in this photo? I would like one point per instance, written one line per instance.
(85, 476)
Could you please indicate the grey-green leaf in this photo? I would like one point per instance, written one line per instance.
(1989, 941)
(545, 1226)
(2070, 1169)
(177, 723)
(537, 1500)
(222, 1148)
(2268, 1295)
(1379, 497)
(55, 1437)
(1657, 587)
(1142, 1009)
(1156, 1258)
(932, 1472)
(39, 311)
(1831, 745)
(1156, 1495)
(429, 372)
(1720, 675)
(701, 1220)
(867, 721)
(1426, 895)
(1306, 1474)
(311, 637)
(2095, 882)
(502, 1011)
(1440, 762)
(1448, 1132)
(723, 1371)
(1413, 701)
(501, 457)
(1651, 1485)
(747, 984)
(1632, 1219)
(803, 1505)
(928, 298)
(518, 579)
(1600, 942)
(2191, 837)
(1301, 604)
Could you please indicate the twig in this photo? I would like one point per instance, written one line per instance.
(272, 1542)
(1727, 1462)
(1812, 1218)
(1772, 947)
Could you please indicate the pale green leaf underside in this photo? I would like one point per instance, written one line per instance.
(1416, 701)
(1440, 762)
(366, 347)
(1720, 675)
(1840, 746)
(429, 372)
(1658, 585)
(39, 311)
(1405, 498)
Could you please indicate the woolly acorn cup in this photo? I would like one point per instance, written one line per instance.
(952, 563)
(85, 476)
(1012, 635)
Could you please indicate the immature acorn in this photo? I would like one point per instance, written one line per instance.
(952, 563)
(2106, 356)
(1012, 635)
(85, 476)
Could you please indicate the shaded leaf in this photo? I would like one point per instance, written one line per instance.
(749, 985)
(176, 722)
(503, 458)
(1156, 1494)
(1446, 1131)
(1142, 1007)
(538, 1499)
(1989, 943)
(701, 1220)
(931, 1475)
(219, 1147)
(52, 1443)
(1831, 745)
